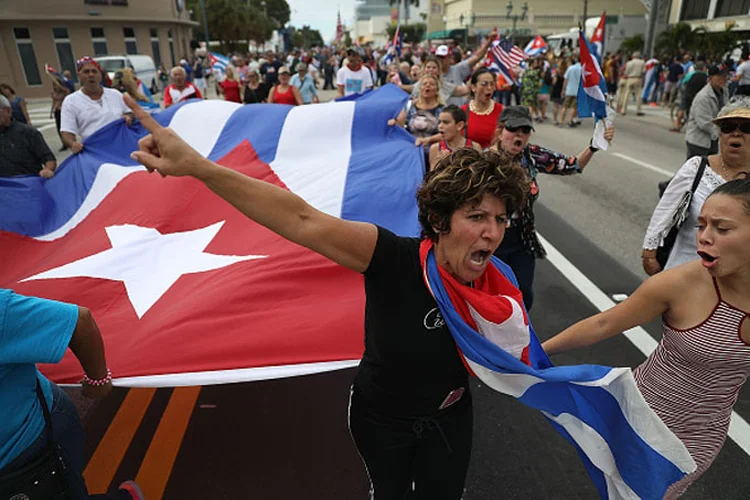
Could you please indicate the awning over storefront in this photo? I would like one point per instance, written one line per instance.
(446, 34)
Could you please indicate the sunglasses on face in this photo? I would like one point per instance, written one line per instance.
(524, 129)
(729, 127)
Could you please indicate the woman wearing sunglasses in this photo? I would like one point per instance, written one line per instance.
(520, 248)
(733, 160)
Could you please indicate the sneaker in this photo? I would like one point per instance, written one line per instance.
(640, 114)
(132, 488)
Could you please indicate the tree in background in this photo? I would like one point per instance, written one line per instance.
(410, 33)
(233, 23)
(633, 44)
(307, 38)
(713, 46)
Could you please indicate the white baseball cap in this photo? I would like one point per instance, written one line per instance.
(442, 51)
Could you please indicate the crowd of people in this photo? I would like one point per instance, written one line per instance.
(415, 439)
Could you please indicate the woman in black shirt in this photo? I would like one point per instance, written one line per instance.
(256, 91)
(410, 409)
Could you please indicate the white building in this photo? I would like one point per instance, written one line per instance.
(372, 18)
(714, 15)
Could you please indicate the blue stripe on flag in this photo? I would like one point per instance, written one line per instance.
(377, 172)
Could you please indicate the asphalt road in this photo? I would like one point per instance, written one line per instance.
(288, 438)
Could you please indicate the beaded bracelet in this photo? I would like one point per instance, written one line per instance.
(98, 382)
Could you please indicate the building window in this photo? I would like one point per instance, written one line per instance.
(171, 46)
(726, 8)
(99, 41)
(64, 50)
(27, 56)
(155, 46)
(695, 9)
(131, 46)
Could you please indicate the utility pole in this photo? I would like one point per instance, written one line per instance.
(205, 24)
(585, 14)
(653, 13)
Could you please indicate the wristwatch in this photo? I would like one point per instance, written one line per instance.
(592, 148)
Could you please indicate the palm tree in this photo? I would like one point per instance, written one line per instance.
(406, 3)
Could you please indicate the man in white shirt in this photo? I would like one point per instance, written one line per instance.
(91, 107)
(353, 78)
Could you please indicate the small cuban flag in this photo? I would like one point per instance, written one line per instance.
(219, 64)
(536, 46)
(597, 39)
(592, 91)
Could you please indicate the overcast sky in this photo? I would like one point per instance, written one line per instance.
(321, 15)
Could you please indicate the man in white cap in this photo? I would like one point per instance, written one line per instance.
(23, 150)
(454, 75)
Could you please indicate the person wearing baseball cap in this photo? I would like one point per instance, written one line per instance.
(454, 75)
(521, 246)
(24, 149)
(701, 136)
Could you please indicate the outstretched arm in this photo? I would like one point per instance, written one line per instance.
(650, 300)
(350, 244)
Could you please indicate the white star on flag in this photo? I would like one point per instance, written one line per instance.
(148, 262)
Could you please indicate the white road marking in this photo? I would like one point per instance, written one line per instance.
(739, 429)
(644, 164)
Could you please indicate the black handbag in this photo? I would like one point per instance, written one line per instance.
(44, 477)
(679, 217)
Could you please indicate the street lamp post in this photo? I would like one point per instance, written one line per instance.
(470, 20)
(515, 17)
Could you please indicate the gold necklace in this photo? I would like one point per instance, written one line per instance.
(473, 108)
(725, 171)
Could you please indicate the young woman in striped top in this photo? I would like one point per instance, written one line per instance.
(694, 376)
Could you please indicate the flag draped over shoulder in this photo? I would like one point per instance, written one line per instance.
(627, 450)
(592, 90)
(188, 291)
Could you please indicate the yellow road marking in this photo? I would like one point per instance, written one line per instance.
(157, 464)
(111, 449)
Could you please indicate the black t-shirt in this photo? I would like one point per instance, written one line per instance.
(675, 70)
(23, 150)
(253, 96)
(694, 85)
(270, 70)
(411, 362)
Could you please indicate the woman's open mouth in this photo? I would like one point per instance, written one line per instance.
(707, 259)
(480, 257)
(735, 145)
(518, 143)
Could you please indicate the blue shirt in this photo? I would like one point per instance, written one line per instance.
(573, 80)
(32, 331)
(306, 88)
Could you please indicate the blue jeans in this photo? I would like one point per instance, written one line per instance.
(68, 431)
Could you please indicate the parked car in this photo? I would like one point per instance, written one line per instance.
(142, 65)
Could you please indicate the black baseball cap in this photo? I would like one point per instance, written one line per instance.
(516, 116)
(718, 69)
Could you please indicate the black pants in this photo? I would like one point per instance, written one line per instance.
(743, 90)
(512, 252)
(693, 150)
(430, 453)
(58, 117)
(328, 83)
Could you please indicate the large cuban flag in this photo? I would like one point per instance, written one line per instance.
(626, 448)
(592, 90)
(188, 291)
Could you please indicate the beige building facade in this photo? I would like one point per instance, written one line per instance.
(543, 17)
(713, 15)
(57, 32)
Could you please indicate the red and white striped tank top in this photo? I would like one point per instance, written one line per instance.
(692, 381)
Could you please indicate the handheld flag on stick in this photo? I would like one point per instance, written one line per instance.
(59, 79)
(592, 90)
(597, 39)
(396, 43)
(219, 64)
(536, 46)
(505, 56)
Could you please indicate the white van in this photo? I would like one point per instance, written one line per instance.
(142, 65)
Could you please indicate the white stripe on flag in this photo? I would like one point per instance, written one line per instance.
(312, 159)
(212, 115)
(597, 450)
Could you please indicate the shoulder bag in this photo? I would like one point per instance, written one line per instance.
(679, 217)
(44, 477)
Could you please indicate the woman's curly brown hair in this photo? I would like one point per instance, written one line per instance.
(465, 177)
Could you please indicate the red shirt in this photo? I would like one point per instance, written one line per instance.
(284, 97)
(481, 128)
(231, 90)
